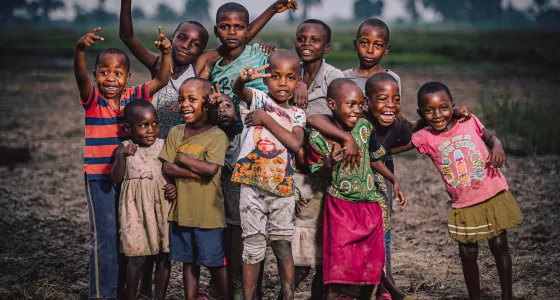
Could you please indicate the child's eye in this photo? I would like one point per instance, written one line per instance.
(382, 99)
(291, 78)
(196, 44)
(364, 43)
(275, 76)
(223, 27)
(314, 40)
(143, 126)
(155, 124)
(104, 73)
(118, 74)
(228, 105)
(181, 38)
(239, 27)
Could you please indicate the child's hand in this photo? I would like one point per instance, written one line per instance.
(129, 150)
(336, 156)
(268, 48)
(177, 159)
(163, 44)
(497, 157)
(462, 113)
(215, 97)
(282, 5)
(257, 118)
(300, 95)
(170, 191)
(301, 204)
(250, 74)
(399, 195)
(352, 155)
(89, 39)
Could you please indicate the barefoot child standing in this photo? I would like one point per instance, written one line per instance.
(103, 106)
(265, 168)
(483, 209)
(144, 199)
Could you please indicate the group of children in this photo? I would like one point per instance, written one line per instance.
(228, 148)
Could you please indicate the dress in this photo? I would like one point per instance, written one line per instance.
(143, 207)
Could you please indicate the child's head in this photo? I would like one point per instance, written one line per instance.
(372, 42)
(435, 105)
(313, 39)
(346, 100)
(189, 40)
(194, 96)
(111, 72)
(382, 90)
(226, 113)
(141, 122)
(232, 25)
(284, 75)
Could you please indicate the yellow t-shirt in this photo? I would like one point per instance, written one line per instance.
(199, 203)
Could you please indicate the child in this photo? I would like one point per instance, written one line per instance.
(483, 209)
(265, 168)
(193, 154)
(313, 39)
(103, 105)
(353, 223)
(233, 30)
(371, 43)
(143, 203)
(189, 41)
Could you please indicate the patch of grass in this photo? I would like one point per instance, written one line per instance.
(526, 124)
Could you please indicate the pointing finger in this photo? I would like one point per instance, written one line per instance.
(95, 30)
(217, 87)
(259, 75)
(97, 38)
(161, 35)
(262, 68)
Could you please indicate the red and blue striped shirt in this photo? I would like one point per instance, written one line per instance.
(104, 129)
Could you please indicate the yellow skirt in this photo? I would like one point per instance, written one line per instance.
(485, 220)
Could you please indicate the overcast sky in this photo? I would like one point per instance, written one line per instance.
(329, 9)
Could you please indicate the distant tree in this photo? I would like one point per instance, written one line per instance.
(138, 13)
(7, 8)
(549, 19)
(473, 11)
(42, 8)
(410, 6)
(197, 10)
(365, 9)
(164, 12)
(291, 17)
(98, 15)
(308, 4)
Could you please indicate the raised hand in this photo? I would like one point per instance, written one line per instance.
(283, 5)
(129, 150)
(215, 97)
(250, 73)
(268, 48)
(89, 39)
(462, 113)
(163, 44)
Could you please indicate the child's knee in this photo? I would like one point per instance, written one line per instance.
(468, 252)
(254, 248)
(136, 261)
(282, 248)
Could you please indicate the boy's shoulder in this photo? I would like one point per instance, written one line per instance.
(330, 72)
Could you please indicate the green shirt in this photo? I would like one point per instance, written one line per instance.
(225, 75)
(199, 203)
(348, 183)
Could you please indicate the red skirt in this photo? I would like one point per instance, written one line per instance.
(353, 249)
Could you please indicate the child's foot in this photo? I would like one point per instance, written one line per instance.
(202, 295)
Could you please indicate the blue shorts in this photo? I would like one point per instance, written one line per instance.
(204, 247)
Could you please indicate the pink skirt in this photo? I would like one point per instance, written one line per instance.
(353, 249)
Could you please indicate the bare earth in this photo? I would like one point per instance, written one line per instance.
(44, 224)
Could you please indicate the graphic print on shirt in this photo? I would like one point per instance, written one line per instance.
(461, 161)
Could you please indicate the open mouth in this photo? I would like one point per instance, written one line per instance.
(438, 123)
(187, 114)
(110, 89)
(353, 119)
(223, 117)
(306, 52)
(387, 117)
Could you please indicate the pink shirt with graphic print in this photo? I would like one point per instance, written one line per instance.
(460, 155)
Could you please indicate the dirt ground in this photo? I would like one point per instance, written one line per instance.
(44, 224)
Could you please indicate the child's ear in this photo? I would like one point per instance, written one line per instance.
(331, 104)
(248, 31)
(366, 103)
(387, 49)
(327, 49)
(94, 77)
(216, 32)
(128, 77)
(356, 45)
(127, 128)
(453, 105)
(419, 113)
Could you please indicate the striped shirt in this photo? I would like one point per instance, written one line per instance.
(104, 129)
(225, 75)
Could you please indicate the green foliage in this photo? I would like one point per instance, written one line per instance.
(526, 124)
(365, 9)
(198, 10)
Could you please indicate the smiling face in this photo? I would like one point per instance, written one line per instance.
(188, 43)
(385, 102)
(111, 75)
(232, 30)
(143, 126)
(371, 44)
(226, 113)
(437, 110)
(193, 96)
(311, 42)
(284, 76)
(348, 106)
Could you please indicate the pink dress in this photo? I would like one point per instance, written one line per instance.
(143, 208)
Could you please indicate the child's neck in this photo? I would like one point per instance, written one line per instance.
(310, 71)
(178, 70)
(283, 104)
(368, 71)
(230, 55)
(380, 130)
(341, 126)
(229, 131)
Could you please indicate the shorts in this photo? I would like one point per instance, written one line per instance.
(485, 220)
(307, 246)
(204, 247)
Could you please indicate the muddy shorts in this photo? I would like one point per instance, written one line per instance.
(264, 214)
